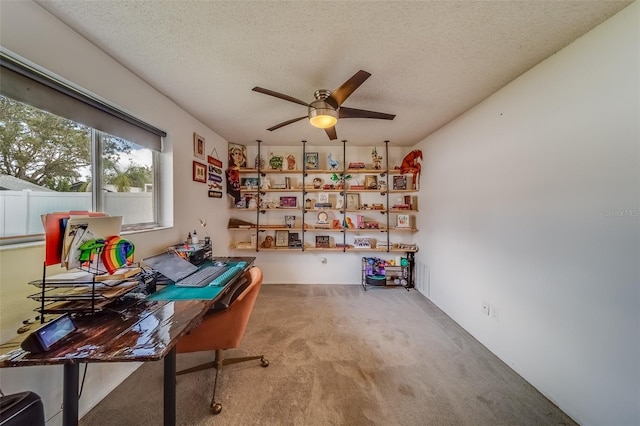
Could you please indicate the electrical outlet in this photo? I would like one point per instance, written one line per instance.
(485, 308)
(495, 312)
(323, 259)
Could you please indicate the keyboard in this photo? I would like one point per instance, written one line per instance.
(202, 277)
(228, 275)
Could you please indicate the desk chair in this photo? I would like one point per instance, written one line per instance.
(223, 328)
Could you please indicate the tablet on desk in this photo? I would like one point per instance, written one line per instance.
(46, 336)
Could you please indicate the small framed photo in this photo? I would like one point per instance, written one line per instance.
(276, 161)
(353, 201)
(370, 182)
(282, 238)
(323, 197)
(198, 146)
(400, 182)
(339, 203)
(311, 160)
(323, 241)
(294, 240)
(362, 242)
(289, 161)
(249, 183)
(199, 172)
(289, 221)
(402, 221)
(288, 202)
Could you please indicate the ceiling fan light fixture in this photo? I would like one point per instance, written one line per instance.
(323, 121)
(321, 115)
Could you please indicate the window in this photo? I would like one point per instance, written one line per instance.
(61, 150)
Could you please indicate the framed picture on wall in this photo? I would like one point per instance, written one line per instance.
(199, 172)
(198, 146)
(237, 156)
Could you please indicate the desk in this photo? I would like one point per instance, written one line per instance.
(146, 332)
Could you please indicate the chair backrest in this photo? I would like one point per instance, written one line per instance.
(224, 329)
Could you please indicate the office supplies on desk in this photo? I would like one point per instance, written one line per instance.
(174, 293)
(180, 271)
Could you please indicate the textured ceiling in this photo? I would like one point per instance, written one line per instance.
(430, 61)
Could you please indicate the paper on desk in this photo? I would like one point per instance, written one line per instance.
(101, 227)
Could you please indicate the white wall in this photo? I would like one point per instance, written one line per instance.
(32, 33)
(530, 202)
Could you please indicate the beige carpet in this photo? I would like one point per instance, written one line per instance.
(341, 356)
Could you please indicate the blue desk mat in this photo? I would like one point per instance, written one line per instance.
(171, 292)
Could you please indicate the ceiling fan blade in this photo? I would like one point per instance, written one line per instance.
(279, 95)
(361, 113)
(331, 132)
(284, 123)
(348, 87)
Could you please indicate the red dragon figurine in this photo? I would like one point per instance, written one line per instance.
(411, 165)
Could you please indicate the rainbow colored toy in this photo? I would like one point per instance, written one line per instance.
(117, 253)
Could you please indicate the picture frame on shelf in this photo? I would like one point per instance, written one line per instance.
(311, 161)
(282, 238)
(294, 240)
(199, 172)
(339, 203)
(198, 146)
(371, 182)
(323, 241)
(289, 161)
(276, 161)
(399, 182)
(353, 201)
(323, 197)
(362, 242)
(289, 221)
(403, 221)
(288, 202)
(249, 183)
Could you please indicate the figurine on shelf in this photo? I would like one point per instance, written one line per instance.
(259, 164)
(376, 159)
(265, 184)
(268, 242)
(333, 164)
(411, 165)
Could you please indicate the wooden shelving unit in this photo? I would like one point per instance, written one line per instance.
(308, 229)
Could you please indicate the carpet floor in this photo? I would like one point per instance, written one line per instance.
(341, 356)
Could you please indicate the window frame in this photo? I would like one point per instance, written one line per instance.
(37, 78)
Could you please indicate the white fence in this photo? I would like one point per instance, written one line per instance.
(21, 211)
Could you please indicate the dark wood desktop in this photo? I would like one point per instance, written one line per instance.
(148, 331)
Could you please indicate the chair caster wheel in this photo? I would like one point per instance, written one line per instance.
(216, 408)
(264, 362)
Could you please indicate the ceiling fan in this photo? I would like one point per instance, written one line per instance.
(327, 107)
